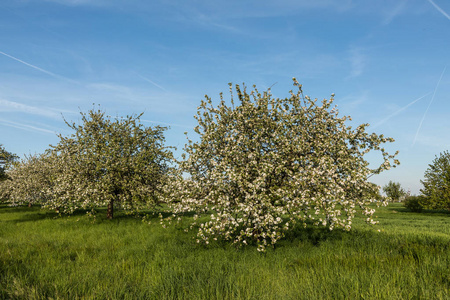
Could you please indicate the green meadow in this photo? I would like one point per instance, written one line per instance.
(45, 256)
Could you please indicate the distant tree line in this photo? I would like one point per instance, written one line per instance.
(435, 193)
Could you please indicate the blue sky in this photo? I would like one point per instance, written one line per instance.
(388, 62)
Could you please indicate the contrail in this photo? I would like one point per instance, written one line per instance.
(432, 98)
(26, 127)
(152, 82)
(168, 124)
(399, 111)
(439, 9)
(37, 68)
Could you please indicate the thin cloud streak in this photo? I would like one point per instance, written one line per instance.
(439, 9)
(168, 124)
(357, 63)
(397, 10)
(37, 68)
(26, 127)
(152, 82)
(399, 111)
(23, 108)
(432, 98)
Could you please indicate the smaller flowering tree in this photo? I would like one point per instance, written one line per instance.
(109, 162)
(29, 181)
(264, 164)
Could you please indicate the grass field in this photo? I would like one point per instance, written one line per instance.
(43, 256)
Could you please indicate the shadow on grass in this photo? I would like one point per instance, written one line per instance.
(313, 234)
(18, 209)
(403, 209)
(35, 213)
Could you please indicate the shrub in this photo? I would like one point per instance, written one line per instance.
(415, 203)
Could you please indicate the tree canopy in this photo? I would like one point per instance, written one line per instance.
(436, 185)
(394, 190)
(30, 181)
(110, 162)
(105, 162)
(263, 164)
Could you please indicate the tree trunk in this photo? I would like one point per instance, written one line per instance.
(29, 204)
(110, 211)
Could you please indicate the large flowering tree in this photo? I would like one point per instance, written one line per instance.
(109, 162)
(263, 164)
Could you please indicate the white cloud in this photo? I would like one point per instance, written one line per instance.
(352, 102)
(433, 140)
(104, 86)
(357, 62)
(395, 11)
(11, 106)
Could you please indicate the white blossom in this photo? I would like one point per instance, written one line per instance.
(263, 164)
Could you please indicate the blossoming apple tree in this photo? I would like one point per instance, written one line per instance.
(29, 181)
(263, 164)
(109, 162)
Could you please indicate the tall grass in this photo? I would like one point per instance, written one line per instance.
(43, 256)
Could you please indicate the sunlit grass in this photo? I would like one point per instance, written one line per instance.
(44, 256)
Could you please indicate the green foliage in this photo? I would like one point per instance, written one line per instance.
(264, 164)
(6, 160)
(374, 193)
(415, 203)
(436, 186)
(394, 191)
